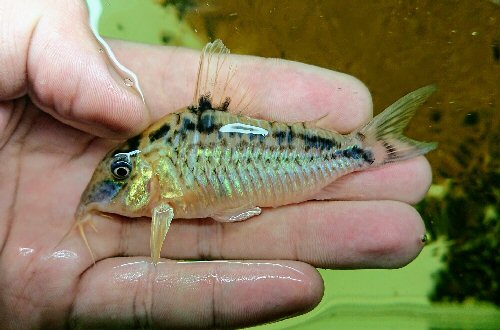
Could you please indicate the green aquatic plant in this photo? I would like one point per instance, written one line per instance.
(465, 211)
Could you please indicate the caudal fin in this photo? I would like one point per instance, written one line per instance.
(383, 135)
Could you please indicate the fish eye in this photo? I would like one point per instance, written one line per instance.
(121, 169)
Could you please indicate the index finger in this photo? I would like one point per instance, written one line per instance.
(281, 90)
(224, 294)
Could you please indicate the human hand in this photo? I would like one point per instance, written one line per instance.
(58, 99)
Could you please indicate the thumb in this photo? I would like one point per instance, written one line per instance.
(70, 77)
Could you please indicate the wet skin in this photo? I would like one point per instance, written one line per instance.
(57, 118)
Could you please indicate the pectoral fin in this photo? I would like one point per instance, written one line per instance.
(162, 217)
(238, 214)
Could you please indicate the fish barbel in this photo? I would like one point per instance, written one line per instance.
(205, 161)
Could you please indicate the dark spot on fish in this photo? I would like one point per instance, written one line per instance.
(347, 152)
(368, 156)
(206, 123)
(357, 151)
(280, 136)
(159, 133)
(353, 152)
(132, 144)
(187, 125)
(317, 142)
(436, 116)
(290, 135)
(495, 47)
(471, 119)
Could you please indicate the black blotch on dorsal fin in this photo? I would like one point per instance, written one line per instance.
(224, 106)
(205, 102)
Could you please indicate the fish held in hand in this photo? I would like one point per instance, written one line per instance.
(208, 161)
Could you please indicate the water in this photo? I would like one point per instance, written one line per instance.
(394, 47)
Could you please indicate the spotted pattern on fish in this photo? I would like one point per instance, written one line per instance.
(229, 168)
(206, 161)
(159, 133)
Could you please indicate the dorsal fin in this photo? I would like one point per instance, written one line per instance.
(217, 86)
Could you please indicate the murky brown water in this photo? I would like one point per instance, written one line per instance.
(394, 47)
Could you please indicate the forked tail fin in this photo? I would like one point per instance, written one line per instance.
(383, 135)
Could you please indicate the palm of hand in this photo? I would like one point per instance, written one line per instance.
(46, 164)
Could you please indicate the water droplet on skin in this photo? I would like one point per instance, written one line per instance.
(63, 254)
(25, 251)
(128, 82)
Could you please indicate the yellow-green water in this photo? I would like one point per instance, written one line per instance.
(393, 46)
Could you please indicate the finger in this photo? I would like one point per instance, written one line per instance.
(282, 90)
(15, 44)
(347, 234)
(384, 234)
(68, 77)
(406, 181)
(134, 294)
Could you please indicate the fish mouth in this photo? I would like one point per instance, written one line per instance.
(88, 214)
